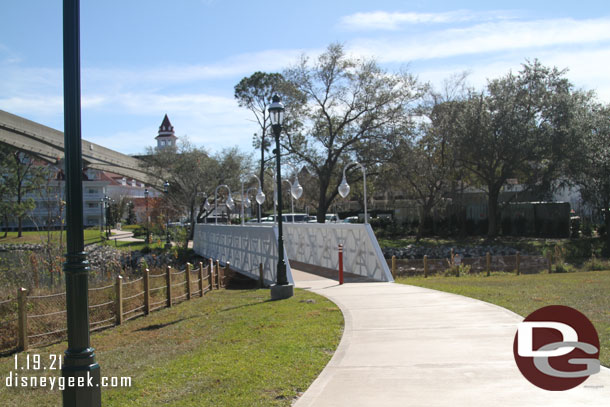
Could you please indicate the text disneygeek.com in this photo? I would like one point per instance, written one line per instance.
(38, 364)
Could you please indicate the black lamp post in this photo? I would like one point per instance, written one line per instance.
(107, 206)
(102, 217)
(281, 289)
(79, 361)
(166, 191)
(147, 217)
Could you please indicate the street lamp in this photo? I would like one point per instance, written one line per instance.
(344, 187)
(281, 289)
(101, 217)
(147, 217)
(229, 202)
(79, 361)
(166, 191)
(107, 211)
(260, 197)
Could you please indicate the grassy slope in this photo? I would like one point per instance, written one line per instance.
(230, 348)
(588, 292)
(91, 236)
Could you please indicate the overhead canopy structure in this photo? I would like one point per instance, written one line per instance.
(48, 144)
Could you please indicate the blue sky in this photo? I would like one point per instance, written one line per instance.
(141, 59)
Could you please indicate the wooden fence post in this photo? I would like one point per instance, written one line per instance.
(23, 318)
(146, 291)
(261, 276)
(188, 281)
(488, 261)
(221, 275)
(549, 260)
(119, 299)
(168, 281)
(201, 279)
(211, 274)
(394, 267)
(518, 263)
(425, 265)
(217, 274)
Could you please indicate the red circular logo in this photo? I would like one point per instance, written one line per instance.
(556, 348)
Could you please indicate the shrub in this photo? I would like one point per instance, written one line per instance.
(594, 264)
(587, 229)
(601, 230)
(562, 267)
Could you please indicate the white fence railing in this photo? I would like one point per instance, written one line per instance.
(311, 243)
(245, 247)
(317, 243)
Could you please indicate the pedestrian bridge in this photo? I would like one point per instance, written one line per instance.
(307, 246)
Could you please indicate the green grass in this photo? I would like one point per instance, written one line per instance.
(33, 237)
(132, 246)
(588, 292)
(230, 348)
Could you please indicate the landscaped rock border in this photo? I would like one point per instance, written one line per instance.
(444, 251)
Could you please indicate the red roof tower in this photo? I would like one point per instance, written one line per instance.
(166, 137)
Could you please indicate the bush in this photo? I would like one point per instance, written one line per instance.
(456, 271)
(601, 230)
(562, 267)
(594, 264)
(575, 227)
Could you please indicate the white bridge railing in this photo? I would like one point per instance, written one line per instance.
(245, 247)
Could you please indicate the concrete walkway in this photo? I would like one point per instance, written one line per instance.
(411, 346)
(123, 236)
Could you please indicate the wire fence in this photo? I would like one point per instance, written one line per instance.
(517, 263)
(35, 320)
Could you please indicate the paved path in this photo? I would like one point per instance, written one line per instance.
(123, 236)
(411, 346)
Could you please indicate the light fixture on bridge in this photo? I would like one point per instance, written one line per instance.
(296, 189)
(344, 187)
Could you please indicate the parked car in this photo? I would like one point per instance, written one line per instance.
(350, 219)
(332, 218)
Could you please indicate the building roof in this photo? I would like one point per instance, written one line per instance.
(166, 129)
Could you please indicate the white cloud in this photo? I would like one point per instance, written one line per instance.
(235, 66)
(392, 21)
(33, 104)
(587, 68)
(484, 38)
(213, 122)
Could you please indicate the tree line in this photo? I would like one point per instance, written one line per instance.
(414, 139)
(533, 125)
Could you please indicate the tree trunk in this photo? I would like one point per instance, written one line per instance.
(607, 222)
(492, 208)
(191, 233)
(425, 212)
(6, 225)
(322, 202)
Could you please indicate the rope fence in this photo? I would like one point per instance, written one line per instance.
(34, 320)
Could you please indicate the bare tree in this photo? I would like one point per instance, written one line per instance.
(349, 109)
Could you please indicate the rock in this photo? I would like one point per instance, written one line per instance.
(444, 251)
